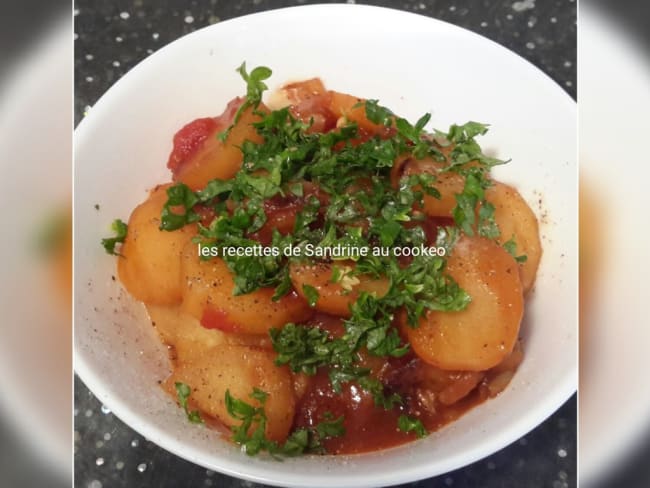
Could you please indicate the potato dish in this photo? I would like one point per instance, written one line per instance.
(329, 277)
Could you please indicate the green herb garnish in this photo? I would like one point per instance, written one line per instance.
(250, 433)
(255, 87)
(183, 392)
(311, 294)
(109, 243)
(409, 424)
(511, 246)
(179, 196)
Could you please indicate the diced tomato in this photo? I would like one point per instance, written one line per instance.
(206, 214)
(303, 90)
(317, 108)
(192, 137)
(281, 212)
(213, 318)
(188, 140)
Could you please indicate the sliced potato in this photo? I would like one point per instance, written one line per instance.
(150, 266)
(483, 334)
(208, 296)
(187, 338)
(450, 386)
(183, 333)
(216, 158)
(352, 109)
(448, 183)
(239, 369)
(513, 216)
(516, 220)
(334, 298)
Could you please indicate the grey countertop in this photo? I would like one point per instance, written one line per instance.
(113, 36)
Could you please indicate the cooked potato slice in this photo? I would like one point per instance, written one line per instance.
(483, 334)
(182, 333)
(150, 268)
(516, 220)
(448, 183)
(208, 296)
(334, 298)
(352, 109)
(187, 338)
(216, 158)
(239, 369)
(450, 386)
(512, 214)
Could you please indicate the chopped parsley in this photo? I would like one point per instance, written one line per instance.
(311, 294)
(416, 288)
(109, 243)
(255, 86)
(183, 392)
(376, 388)
(180, 197)
(409, 424)
(467, 159)
(250, 434)
(511, 246)
(377, 114)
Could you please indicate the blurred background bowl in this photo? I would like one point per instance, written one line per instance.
(614, 420)
(35, 285)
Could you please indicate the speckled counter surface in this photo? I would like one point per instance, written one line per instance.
(113, 36)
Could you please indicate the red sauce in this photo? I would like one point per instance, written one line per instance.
(214, 318)
(433, 396)
(281, 212)
(367, 427)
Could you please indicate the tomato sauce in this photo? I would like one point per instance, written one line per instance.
(361, 417)
(433, 396)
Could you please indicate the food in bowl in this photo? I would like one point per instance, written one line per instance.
(328, 276)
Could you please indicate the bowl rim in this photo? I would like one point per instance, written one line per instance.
(397, 474)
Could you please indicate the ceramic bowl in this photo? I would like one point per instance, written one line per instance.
(413, 64)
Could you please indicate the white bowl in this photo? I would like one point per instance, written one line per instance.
(413, 64)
